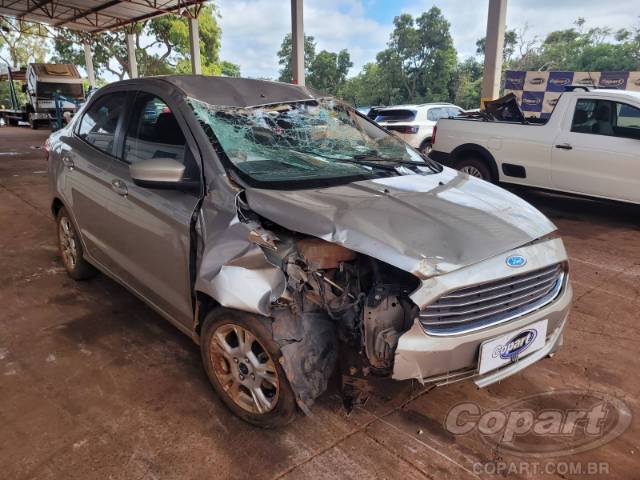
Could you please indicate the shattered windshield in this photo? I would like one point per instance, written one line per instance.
(305, 141)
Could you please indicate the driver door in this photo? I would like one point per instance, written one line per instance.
(596, 153)
(153, 227)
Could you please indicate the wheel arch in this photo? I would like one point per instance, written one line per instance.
(56, 205)
(204, 303)
(479, 152)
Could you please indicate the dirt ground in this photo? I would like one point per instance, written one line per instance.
(94, 384)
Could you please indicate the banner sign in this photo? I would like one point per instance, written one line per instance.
(538, 92)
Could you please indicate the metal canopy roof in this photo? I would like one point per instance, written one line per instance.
(91, 16)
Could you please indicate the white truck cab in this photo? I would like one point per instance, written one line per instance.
(43, 82)
(590, 146)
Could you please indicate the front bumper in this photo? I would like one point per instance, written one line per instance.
(447, 358)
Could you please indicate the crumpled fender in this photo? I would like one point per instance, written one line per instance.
(235, 272)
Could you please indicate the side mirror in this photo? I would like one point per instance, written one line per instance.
(158, 173)
(24, 88)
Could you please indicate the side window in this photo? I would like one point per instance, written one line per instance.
(594, 116)
(434, 114)
(99, 123)
(153, 132)
(627, 121)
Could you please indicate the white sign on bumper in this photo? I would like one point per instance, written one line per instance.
(507, 348)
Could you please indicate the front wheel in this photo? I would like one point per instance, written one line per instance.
(242, 362)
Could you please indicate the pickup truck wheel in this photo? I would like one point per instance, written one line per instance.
(70, 248)
(242, 362)
(475, 167)
(426, 147)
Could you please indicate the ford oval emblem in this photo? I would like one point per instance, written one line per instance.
(515, 261)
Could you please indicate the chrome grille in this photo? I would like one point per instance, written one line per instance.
(487, 304)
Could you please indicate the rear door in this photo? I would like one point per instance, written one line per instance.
(597, 151)
(152, 228)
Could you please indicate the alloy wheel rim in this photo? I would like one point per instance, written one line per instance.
(68, 243)
(244, 368)
(471, 170)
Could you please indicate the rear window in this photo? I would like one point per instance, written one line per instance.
(396, 115)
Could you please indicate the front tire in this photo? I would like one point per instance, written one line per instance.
(70, 248)
(242, 362)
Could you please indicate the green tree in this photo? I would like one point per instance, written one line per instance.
(510, 44)
(328, 70)
(422, 52)
(167, 52)
(467, 83)
(285, 57)
(22, 44)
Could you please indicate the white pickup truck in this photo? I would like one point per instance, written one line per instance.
(590, 145)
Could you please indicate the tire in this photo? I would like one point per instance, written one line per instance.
(426, 147)
(70, 248)
(475, 167)
(231, 372)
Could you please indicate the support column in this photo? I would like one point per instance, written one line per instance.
(88, 60)
(494, 45)
(131, 55)
(297, 42)
(194, 44)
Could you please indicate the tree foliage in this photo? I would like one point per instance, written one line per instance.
(162, 47)
(285, 56)
(326, 71)
(21, 42)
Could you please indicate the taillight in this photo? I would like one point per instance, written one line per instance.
(403, 128)
(433, 135)
(47, 147)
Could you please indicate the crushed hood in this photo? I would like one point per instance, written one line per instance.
(424, 224)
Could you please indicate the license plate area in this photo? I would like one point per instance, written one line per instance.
(509, 347)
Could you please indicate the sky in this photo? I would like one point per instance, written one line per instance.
(252, 30)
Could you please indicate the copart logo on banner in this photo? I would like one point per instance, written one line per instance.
(549, 424)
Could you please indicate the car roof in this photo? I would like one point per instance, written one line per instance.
(416, 106)
(607, 91)
(235, 92)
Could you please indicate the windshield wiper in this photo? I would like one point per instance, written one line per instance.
(377, 158)
(389, 168)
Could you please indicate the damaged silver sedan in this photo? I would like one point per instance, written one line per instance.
(291, 237)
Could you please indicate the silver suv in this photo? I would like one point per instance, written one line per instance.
(289, 235)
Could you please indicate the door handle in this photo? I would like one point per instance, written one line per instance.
(119, 187)
(564, 146)
(67, 162)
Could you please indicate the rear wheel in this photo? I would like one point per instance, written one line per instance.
(242, 362)
(475, 167)
(70, 248)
